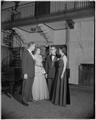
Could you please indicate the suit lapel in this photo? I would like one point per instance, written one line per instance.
(52, 62)
(30, 54)
(50, 58)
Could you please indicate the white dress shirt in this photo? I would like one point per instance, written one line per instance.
(53, 57)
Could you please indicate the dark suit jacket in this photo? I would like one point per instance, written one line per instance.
(28, 66)
(50, 67)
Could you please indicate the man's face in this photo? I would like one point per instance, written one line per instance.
(53, 50)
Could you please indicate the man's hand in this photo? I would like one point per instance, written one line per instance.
(45, 75)
(25, 76)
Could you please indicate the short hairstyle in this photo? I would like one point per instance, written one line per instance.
(53, 47)
(37, 49)
(30, 43)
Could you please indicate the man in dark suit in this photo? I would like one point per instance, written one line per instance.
(28, 70)
(50, 68)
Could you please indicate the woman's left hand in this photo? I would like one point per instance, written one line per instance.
(62, 76)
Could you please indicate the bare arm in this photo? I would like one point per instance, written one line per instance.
(43, 70)
(65, 64)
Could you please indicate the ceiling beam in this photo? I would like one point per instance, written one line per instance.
(73, 14)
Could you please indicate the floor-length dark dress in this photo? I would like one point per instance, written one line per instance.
(61, 94)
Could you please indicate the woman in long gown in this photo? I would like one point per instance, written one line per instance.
(39, 88)
(61, 89)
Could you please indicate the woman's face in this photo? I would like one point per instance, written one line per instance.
(38, 51)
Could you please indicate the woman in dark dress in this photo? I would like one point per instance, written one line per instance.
(61, 89)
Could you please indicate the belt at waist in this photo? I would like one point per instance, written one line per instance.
(39, 66)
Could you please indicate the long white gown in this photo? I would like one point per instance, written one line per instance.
(39, 88)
